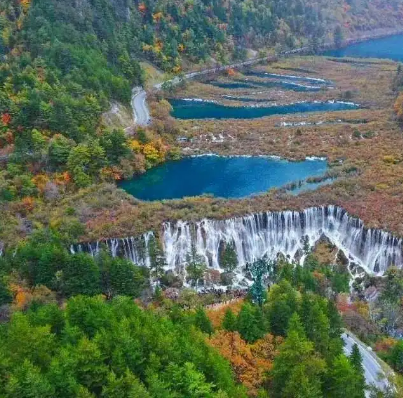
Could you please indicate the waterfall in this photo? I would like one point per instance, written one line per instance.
(134, 249)
(266, 234)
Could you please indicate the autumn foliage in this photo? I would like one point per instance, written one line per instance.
(216, 316)
(5, 118)
(398, 107)
(142, 7)
(250, 362)
(231, 72)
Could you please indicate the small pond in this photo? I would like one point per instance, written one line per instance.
(193, 109)
(226, 177)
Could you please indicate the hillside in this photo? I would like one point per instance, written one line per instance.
(64, 63)
(204, 293)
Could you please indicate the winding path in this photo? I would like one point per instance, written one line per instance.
(141, 114)
(374, 373)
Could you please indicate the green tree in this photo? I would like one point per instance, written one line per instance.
(343, 379)
(84, 161)
(202, 321)
(59, 149)
(127, 386)
(282, 302)
(196, 266)
(247, 324)
(81, 276)
(5, 294)
(27, 381)
(258, 270)
(114, 144)
(229, 258)
(336, 323)
(393, 289)
(120, 276)
(157, 260)
(396, 357)
(338, 36)
(356, 361)
(297, 370)
(230, 321)
(313, 314)
(189, 381)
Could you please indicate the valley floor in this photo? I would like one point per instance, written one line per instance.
(363, 147)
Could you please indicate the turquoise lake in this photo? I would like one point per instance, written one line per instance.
(183, 109)
(292, 80)
(283, 84)
(226, 177)
(390, 47)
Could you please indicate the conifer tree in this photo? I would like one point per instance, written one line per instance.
(202, 321)
(229, 321)
(229, 259)
(196, 267)
(316, 322)
(157, 260)
(247, 324)
(344, 380)
(356, 361)
(297, 369)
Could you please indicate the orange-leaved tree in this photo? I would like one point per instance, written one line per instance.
(250, 362)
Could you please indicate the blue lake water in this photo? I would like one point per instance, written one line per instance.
(312, 81)
(226, 177)
(285, 85)
(231, 85)
(247, 99)
(183, 109)
(390, 47)
(288, 83)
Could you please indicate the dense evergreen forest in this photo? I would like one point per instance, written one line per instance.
(289, 346)
(71, 328)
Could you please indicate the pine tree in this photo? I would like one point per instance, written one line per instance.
(344, 380)
(396, 357)
(157, 260)
(247, 325)
(338, 36)
(196, 267)
(297, 369)
(229, 259)
(202, 321)
(336, 323)
(229, 322)
(356, 361)
(258, 269)
(316, 322)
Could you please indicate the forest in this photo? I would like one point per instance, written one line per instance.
(288, 345)
(74, 324)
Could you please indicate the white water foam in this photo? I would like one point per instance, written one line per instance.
(264, 234)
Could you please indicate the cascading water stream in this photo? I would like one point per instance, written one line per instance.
(265, 234)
